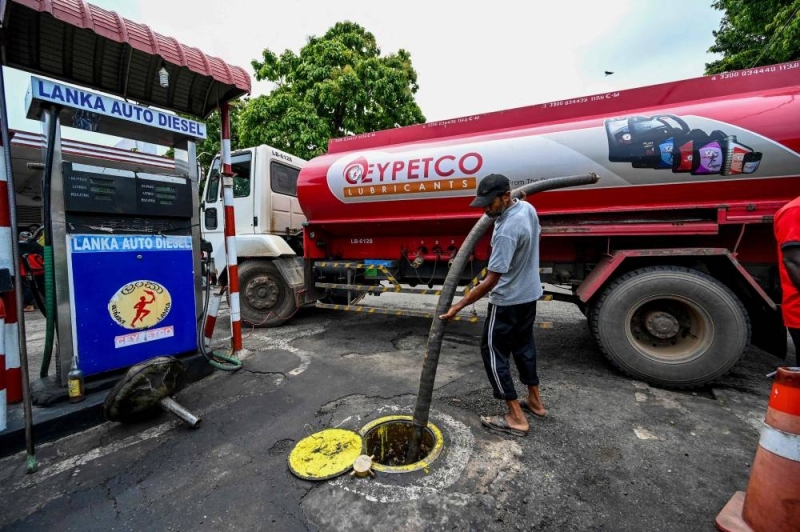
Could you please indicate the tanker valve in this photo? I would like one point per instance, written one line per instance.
(453, 252)
(147, 385)
(419, 259)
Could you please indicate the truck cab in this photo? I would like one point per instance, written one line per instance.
(268, 222)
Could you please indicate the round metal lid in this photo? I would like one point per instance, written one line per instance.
(325, 454)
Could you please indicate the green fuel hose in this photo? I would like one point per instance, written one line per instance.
(50, 309)
(49, 267)
(215, 359)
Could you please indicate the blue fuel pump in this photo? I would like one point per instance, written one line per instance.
(125, 239)
(132, 291)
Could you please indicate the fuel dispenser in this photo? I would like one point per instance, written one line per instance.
(126, 243)
(132, 291)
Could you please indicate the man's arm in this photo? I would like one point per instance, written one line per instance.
(791, 260)
(474, 295)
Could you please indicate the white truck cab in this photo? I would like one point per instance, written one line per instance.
(268, 231)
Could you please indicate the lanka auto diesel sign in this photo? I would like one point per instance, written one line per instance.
(430, 172)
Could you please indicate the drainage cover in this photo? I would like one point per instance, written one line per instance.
(325, 454)
(387, 440)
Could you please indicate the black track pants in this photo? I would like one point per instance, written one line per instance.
(508, 332)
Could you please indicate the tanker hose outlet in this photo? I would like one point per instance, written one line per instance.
(453, 252)
(419, 258)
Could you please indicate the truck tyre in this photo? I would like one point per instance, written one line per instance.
(671, 326)
(265, 298)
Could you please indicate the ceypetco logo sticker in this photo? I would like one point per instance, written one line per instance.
(381, 176)
(432, 172)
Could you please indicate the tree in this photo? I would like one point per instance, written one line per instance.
(212, 145)
(338, 85)
(755, 33)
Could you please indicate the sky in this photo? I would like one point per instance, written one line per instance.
(471, 57)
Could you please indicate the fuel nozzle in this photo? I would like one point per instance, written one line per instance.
(206, 260)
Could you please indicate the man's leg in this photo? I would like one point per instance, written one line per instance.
(27, 296)
(498, 333)
(525, 356)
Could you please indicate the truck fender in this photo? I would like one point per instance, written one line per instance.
(262, 246)
(605, 269)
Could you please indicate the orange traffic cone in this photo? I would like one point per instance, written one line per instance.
(772, 502)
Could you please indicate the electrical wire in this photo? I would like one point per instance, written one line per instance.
(777, 33)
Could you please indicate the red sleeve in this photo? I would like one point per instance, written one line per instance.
(789, 232)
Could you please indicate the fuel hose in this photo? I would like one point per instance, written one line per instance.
(436, 334)
(49, 268)
(215, 359)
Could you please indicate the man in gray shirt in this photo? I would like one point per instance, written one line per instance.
(513, 285)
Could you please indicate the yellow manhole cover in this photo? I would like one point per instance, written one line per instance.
(325, 454)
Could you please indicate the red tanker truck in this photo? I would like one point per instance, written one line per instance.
(670, 255)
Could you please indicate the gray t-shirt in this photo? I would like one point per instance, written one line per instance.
(515, 256)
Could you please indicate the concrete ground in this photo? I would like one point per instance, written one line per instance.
(614, 453)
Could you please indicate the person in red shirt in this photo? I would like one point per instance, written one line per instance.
(787, 233)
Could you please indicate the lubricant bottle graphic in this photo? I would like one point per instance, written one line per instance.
(739, 159)
(644, 141)
(75, 389)
(751, 162)
(683, 151)
(708, 158)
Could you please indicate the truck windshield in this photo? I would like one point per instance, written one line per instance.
(283, 179)
(241, 177)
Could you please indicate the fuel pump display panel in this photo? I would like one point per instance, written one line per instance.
(93, 189)
(133, 298)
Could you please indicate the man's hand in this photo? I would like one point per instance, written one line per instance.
(475, 294)
(450, 314)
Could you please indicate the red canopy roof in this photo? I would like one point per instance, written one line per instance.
(76, 42)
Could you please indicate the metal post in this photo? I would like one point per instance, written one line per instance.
(230, 230)
(3, 404)
(8, 207)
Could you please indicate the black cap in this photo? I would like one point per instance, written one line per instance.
(490, 187)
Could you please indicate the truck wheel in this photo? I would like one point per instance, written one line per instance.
(265, 298)
(671, 326)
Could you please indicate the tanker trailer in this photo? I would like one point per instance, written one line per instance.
(670, 256)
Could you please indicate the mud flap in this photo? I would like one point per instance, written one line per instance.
(291, 268)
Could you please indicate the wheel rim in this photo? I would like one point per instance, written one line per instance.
(669, 329)
(262, 292)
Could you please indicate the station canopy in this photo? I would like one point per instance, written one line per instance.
(75, 42)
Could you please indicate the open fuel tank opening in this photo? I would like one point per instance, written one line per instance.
(387, 439)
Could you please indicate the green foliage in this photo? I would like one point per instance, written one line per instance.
(211, 146)
(338, 85)
(207, 149)
(755, 33)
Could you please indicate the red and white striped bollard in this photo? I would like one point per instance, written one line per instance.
(211, 318)
(13, 372)
(230, 230)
